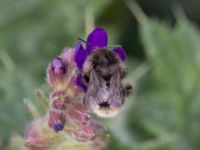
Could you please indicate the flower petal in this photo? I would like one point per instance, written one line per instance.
(96, 39)
(80, 82)
(80, 55)
(121, 53)
(58, 66)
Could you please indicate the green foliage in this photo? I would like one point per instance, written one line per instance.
(165, 114)
(162, 114)
(14, 87)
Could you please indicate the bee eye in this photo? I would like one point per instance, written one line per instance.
(87, 79)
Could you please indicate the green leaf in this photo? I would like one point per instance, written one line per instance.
(170, 106)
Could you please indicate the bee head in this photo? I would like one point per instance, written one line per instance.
(103, 61)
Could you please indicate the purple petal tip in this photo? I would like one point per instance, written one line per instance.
(80, 55)
(58, 127)
(80, 82)
(121, 53)
(97, 39)
(57, 65)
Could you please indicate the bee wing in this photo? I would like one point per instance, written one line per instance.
(116, 97)
(93, 86)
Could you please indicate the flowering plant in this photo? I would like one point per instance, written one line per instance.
(67, 113)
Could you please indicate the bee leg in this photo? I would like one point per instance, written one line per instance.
(127, 90)
(123, 73)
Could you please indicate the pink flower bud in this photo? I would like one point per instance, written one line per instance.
(39, 136)
(57, 120)
(56, 73)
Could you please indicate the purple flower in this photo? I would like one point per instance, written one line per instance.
(96, 39)
(121, 53)
(80, 55)
(80, 82)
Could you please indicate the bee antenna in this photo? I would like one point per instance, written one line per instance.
(114, 46)
(82, 40)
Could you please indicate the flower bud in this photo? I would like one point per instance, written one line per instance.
(57, 120)
(56, 73)
(39, 136)
(57, 114)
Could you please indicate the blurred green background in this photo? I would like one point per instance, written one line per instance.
(163, 60)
